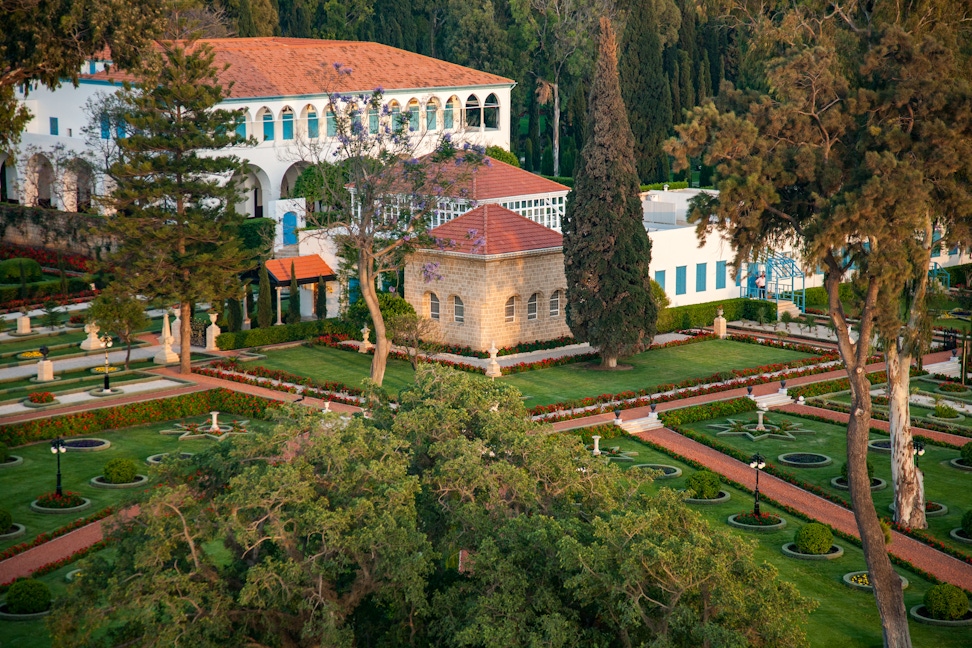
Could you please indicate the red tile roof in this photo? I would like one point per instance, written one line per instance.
(284, 67)
(307, 268)
(489, 181)
(491, 229)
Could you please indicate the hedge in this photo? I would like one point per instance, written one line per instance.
(699, 315)
(569, 182)
(38, 289)
(817, 297)
(718, 409)
(110, 418)
(660, 186)
(257, 233)
(286, 333)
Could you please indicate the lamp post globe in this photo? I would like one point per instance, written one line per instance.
(918, 449)
(758, 463)
(106, 342)
(58, 448)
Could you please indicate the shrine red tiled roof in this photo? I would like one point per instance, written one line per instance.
(491, 229)
(307, 268)
(284, 67)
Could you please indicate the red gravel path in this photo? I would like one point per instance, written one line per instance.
(941, 565)
(840, 417)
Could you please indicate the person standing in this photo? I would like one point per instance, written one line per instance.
(761, 285)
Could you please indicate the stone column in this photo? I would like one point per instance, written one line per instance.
(279, 314)
(246, 314)
(493, 369)
(91, 342)
(177, 328)
(23, 325)
(165, 355)
(597, 447)
(212, 332)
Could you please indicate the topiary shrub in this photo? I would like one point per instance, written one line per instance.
(967, 454)
(967, 523)
(390, 305)
(870, 471)
(10, 270)
(705, 484)
(120, 471)
(947, 602)
(6, 520)
(814, 538)
(945, 411)
(28, 596)
(5, 452)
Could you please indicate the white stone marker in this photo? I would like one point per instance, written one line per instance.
(719, 325)
(177, 328)
(759, 423)
(23, 325)
(215, 426)
(597, 447)
(366, 344)
(91, 342)
(493, 369)
(165, 355)
(212, 332)
(45, 371)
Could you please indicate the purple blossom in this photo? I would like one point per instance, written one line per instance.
(430, 272)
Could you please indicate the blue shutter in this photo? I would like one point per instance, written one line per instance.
(720, 275)
(680, 274)
(660, 278)
(288, 126)
(700, 277)
(267, 127)
(53, 125)
(105, 127)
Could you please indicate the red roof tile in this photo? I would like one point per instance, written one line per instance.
(488, 181)
(307, 268)
(284, 67)
(491, 229)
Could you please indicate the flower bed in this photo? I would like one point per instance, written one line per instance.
(805, 459)
(9, 552)
(87, 445)
(103, 370)
(47, 258)
(41, 398)
(667, 472)
(790, 549)
(30, 355)
(860, 580)
(67, 502)
(721, 498)
(949, 387)
(763, 522)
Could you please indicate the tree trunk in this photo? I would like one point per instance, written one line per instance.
(369, 293)
(609, 361)
(887, 585)
(128, 352)
(185, 351)
(909, 496)
(556, 129)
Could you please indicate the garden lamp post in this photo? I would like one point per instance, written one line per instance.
(918, 449)
(58, 448)
(757, 462)
(106, 343)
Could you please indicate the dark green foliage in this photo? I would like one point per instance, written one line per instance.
(606, 248)
(250, 304)
(704, 484)
(501, 154)
(645, 90)
(870, 470)
(264, 299)
(286, 333)
(15, 270)
(817, 296)
(257, 234)
(967, 453)
(6, 520)
(28, 596)
(293, 301)
(40, 290)
(320, 306)
(4, 452)
(814, 538)
(967, 523)
(698, 315)
(52, 313)
(718, 409)
(120, 471)
(389, 303)
(234, 315)
(945, 601)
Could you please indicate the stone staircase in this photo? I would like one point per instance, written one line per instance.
(645, 424)
(773, 400)
(290, 251)
(786, 306)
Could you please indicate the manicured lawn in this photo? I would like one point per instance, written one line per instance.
(555, 384)
(16, 345)
(845, 617)
(651, 368)
(70, 381)
(37, 474)
(943, 483)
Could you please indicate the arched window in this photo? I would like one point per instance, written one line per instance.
(532, 306)
(431, 115)
(474, 115)
(396, 116)
(459, 310)
(287, 123)
(510, 310)
(373, 121)
(241, 126)
(491, 112)
(330, 124)
(267, 126)
(413, 115)
(555, 304)
(449, 114)
(434, 306)
(313, 129)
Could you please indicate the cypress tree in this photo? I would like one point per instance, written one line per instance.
(644, 88)
(606, 248)
(264, 299)
(249, 301)
(293, 303)
(321, 305)
(234, 315)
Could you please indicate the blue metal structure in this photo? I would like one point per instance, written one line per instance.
(937, 272)
(785, 281)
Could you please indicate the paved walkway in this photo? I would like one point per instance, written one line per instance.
(84, 397)
(94, 359)
(840, 417)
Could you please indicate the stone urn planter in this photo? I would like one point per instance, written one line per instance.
(876, 483)
(12, 460)
(87, 445)
(858, 580)
(789, 549)
(15, 531)
(734, 521)
(723, 496)
(920, 614)
(99, 482)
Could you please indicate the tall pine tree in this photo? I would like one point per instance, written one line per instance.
(644, 88)
(264, 299)
(174, 220)
(606, 248)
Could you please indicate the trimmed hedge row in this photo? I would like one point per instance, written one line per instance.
(285, 333)
(110, 418)
(817, 297)
(699, 315)
(39, 289)
(718, 409)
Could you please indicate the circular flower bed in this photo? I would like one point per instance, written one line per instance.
(102, 370)
(932, 509)
(959, 463)
(39, 399)
(26, 600)
(100, 482)
(960, 535)
(667, 472)
(156, 459)
(15, 531)
(67, 503)
(859, 580)
(87, 445)
(880, 445)
(952, 388)
(805, 459)
(11, 461)
(30, 355)
(876, 483)
(764, 522)
(790, 549)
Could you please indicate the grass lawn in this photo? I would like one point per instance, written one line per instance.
(72, 381)
(551, 385)
(17, 345)
(845, 617)
(22, 484)
(943, 483)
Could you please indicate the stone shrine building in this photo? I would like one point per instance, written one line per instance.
(500, 280)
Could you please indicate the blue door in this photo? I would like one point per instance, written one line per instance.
(354, 290)
(290, 228)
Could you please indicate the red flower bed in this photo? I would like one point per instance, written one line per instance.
(763, 519)
(55, 501)
(47, 258)
(41, 397)
(62, 299)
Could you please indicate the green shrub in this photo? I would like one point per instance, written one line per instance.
(10, 270)
(287, 333)
(698, 315)
(814, 538)
(120, 471)
(6, 520)
(817, 297)
(501, 154)
(5, 452)
(660, 186)
(944, 601)
(390, 305)
(870, 470)
(967, 523)
(28, 596)
(704, 484)
(886, 530)
(717, 409)
(257, 233)
(945, 411)
(967, 454)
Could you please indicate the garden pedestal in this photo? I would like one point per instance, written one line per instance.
(23, 325)
(92, 343)
(366, 344)
(719, 327)
(212, 332)
(177, 329)
(165, 355)
(493, 369)
(45, 371)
